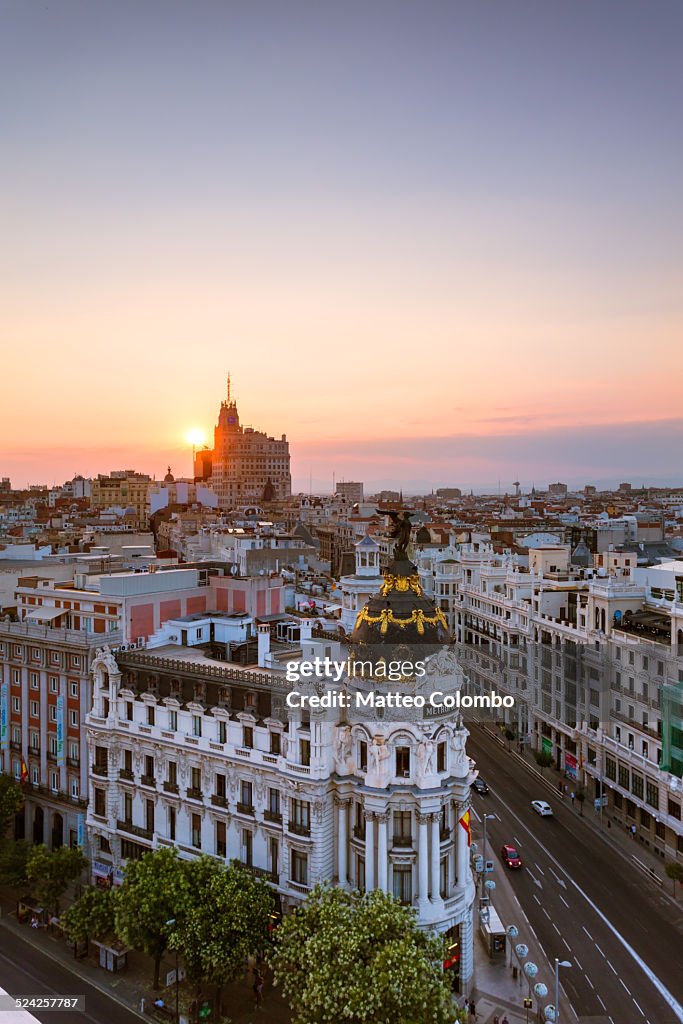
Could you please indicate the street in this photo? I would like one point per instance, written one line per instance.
(25, 970)
(585, 903)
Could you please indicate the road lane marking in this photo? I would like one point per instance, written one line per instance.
(600, 1001)
(535, 880)
(661, 988)
(546, 913)
(560, 881)
(517, 841)
(610, 966)
(588, 933)
(536, 898)
(567, 944)
(639, 1008)
(557, 929)
(599, 950)
(625, 986)
(590, 982)
(564, 901)
(576, 961)
(539, 868)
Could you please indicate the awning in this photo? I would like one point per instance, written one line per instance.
(46, 614)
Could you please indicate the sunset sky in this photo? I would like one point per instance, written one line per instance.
(435, 243)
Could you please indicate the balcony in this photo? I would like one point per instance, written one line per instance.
(126, 774)
(15, 745)
(403, 841)
(273, 816)
(245, 808)
(270, 876)
(134, 830)
(72, 762)
(148, 780)
(298, 829)
(100, 770)
(444, 834)
(219, 801)
(359, 832)
(171, 787)
(194, 794)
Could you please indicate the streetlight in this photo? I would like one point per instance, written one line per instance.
(485, 818)
(558, 964)
(512, 933)
(169, 924)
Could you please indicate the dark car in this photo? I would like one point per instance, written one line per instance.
(510, 856)
(480, 786)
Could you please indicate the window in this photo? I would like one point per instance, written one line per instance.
(16, 704)
(300, 817)
(402, 828)
(33, 707)
(403, 887)
(637, 785)
(363, 755)
(300, 868)
(660, 830)
(274, 803)
(172, 773)
(246, 795)
(129, 710)
(73, 789)
(104, 844)
(73, 689)
(623, 776)
(220, 786)
(100, 809)
(16, 677)
(275, 743)
(274, 856)
(33, 680)
(197, 831)
(127, 807)
(611, 769)
(221, 845)
(247, 736)
(443, 877)
(53, 712)
(674, 809)
(247, 847)
(150, 714)
(196, 779)
(441, 757)
(652, 794)
(73, 719)
(149, 815)
(52, 744)
(54, 684)
(304, 751)
(173, 721)
(403, 762)
(34, 743)
(171, 823)
(222, 732)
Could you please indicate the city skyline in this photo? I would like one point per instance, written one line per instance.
(449, 232)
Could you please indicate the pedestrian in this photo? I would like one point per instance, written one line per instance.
(505, 1020)
(559, 786)
(573, 797)
(472, 1010)
(142, 1004)
(258, 991)
(633, 831)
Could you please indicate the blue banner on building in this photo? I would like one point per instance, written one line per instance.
(61, 760)
(4, 714)
(81, 830)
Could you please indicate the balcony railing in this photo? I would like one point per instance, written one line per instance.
(219, 801)
(126, 774)
(274, 816)
(245, 808)
(134, 830)
(100, 770)
(406, 841)
(299, 829)
(359, 832)
(194, 794)
(171, 787)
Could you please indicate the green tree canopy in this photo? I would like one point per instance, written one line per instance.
(225, 920)
(11, 799)
(154, 890)
(91, 916)
(50, 873)
(361, 959)
(544, 759)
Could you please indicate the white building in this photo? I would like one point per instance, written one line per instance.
(367, 580)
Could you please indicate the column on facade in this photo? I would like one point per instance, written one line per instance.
(342, 841)
(423, 858)
(382, 856)
(369, 851)
(436, 859)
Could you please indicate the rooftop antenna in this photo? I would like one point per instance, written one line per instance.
(334, 485)
(228, 387)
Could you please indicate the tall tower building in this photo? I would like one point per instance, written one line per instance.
(246, 465)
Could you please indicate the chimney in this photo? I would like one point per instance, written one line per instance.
(263, 643)
(306, 626)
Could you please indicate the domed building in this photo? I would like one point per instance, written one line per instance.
(357, 589)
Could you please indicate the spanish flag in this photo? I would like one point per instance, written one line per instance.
(465, 822)
(24, 773)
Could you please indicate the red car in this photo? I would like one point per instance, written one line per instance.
(510, 857)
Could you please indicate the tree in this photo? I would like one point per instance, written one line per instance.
(91, 916)
(580, 797)
(360, 958)
(225, 921)
(11, 799)
(51, 871)
(13, 860)
(154, 890)
(543, 759)
(674, 870)
(509, 735)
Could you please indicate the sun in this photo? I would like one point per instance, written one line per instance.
(195, 436)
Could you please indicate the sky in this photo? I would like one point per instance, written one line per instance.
(434, 244)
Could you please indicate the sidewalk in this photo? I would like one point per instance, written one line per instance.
(610, 831)
(495, 991)
(135, 982)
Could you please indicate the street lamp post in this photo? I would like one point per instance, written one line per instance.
(558, 964)
(170, 923)
(485, 818)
